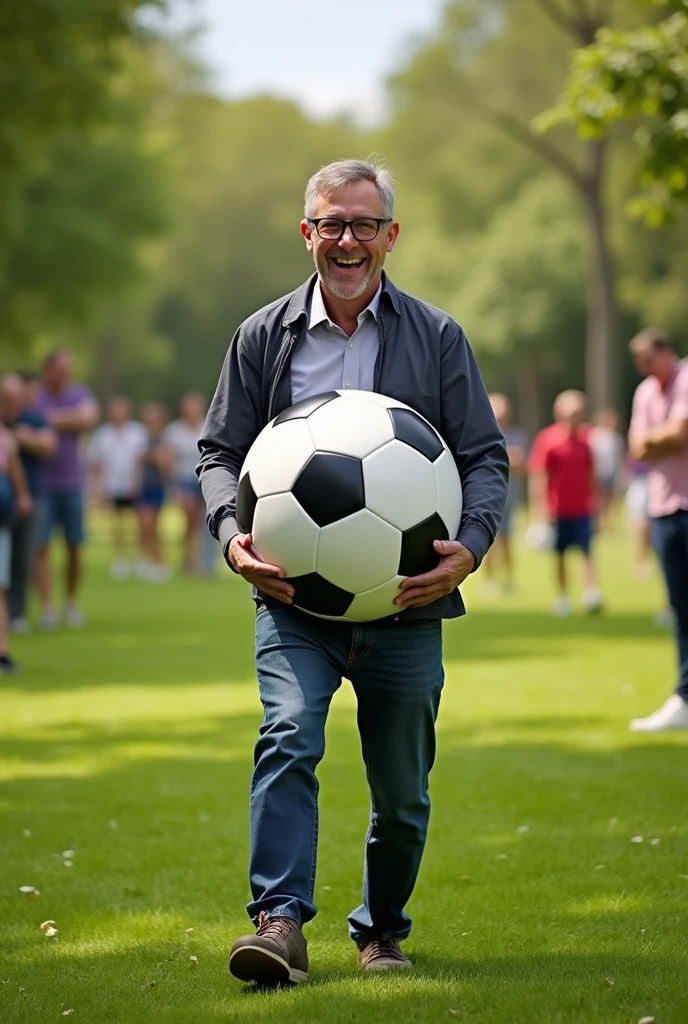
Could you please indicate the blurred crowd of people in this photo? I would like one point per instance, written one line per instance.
(569, 476)
(575, 469)
(55, 459)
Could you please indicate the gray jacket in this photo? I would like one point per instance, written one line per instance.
(423, 360)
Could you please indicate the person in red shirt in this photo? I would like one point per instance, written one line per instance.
(562, 492)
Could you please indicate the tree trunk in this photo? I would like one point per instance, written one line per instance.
(602, 370)
(528, 392)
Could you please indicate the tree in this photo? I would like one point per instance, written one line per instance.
(476, 69)
(640, 74)
(80, 168)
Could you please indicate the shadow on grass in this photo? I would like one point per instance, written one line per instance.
(152, 647)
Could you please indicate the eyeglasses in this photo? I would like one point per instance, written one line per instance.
(364, 229)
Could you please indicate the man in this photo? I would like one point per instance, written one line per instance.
(659, 436)
(115, 455)
(71, 411)
(500, 557)
(347, 326)
(35, 441)
(562, 491)
(15, 500)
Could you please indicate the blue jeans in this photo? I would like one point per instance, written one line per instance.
(670, 541)
(396, 671)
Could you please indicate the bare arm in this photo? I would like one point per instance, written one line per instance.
(537, 495)
(38, 441)
(517, 459)
(659, 443)
(78, 420)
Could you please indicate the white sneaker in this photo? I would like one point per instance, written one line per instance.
(562, 607)
(120, 569)
(48, 620)
(673, 714)
(20, 625)
(159, 573)
(592, 601)
(74, 617)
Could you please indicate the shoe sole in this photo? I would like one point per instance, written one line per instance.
(253, 963)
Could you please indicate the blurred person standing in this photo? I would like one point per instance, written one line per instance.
(15, 500)
(32, 387)
(658, 435)
(35, 441)
(608, 449)
(562, 491)
(500, 555)
(181, 437)
(72, 411)
(154, 466)
(114, 455)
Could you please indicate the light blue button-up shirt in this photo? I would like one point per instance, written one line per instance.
(328, 359)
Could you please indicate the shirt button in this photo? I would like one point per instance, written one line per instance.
(351, 345)
(348, 383)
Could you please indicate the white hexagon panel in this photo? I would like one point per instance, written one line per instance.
(449, 493)
(399, 485)
(376, 603)
(284, 535)
(280, 457)
(359, 552)
(354, 427)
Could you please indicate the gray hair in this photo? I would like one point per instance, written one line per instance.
(343, 172)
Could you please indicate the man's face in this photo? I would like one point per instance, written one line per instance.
(348, 268)
(11, 399)
(655, 362)
(119, 411)
(58, 372)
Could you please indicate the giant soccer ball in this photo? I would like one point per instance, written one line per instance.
(346, 491)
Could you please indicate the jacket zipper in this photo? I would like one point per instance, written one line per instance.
(280, 371)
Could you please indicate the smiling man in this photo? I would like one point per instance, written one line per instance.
(347, 327)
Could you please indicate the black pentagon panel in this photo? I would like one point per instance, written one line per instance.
(245, 504)
(301, 410)
(417, 553)
(314, 593)
(330, 487)
(414, 431)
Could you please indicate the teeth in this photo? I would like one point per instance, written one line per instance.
(349, 263)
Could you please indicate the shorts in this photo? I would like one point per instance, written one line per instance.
(637, 500)
(507, 514)
(66, 510)
(573, 533)
(5, 557)
(121, 501)
(151, 497)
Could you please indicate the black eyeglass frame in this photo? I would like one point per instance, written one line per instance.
(348, 224)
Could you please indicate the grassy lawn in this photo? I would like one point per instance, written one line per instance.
(130, 744)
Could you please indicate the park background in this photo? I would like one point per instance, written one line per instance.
(145, 210)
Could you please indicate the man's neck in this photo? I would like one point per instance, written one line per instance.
(345, 312)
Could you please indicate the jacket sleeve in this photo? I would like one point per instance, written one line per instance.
(470, 429)
(233, 422)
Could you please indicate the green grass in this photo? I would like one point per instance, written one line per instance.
(130, 744)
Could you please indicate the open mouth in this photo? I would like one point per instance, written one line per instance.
(348, 263)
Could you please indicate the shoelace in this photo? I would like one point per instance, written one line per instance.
(273, 927)
(384, 947)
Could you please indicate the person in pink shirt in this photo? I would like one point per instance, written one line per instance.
(658, 435)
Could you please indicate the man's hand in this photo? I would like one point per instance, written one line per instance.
(456, 562)
(268, 578)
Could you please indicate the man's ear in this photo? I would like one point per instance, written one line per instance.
(307, 232)
(392, 235)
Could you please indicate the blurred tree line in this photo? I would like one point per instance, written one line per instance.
(142, 218)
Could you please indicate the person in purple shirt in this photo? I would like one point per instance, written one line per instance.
(71, 411)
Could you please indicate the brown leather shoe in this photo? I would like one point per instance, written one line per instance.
(382, 955)
(276, 953)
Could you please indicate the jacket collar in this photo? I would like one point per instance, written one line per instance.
(300, 300)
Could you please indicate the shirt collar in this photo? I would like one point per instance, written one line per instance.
(318, 313)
